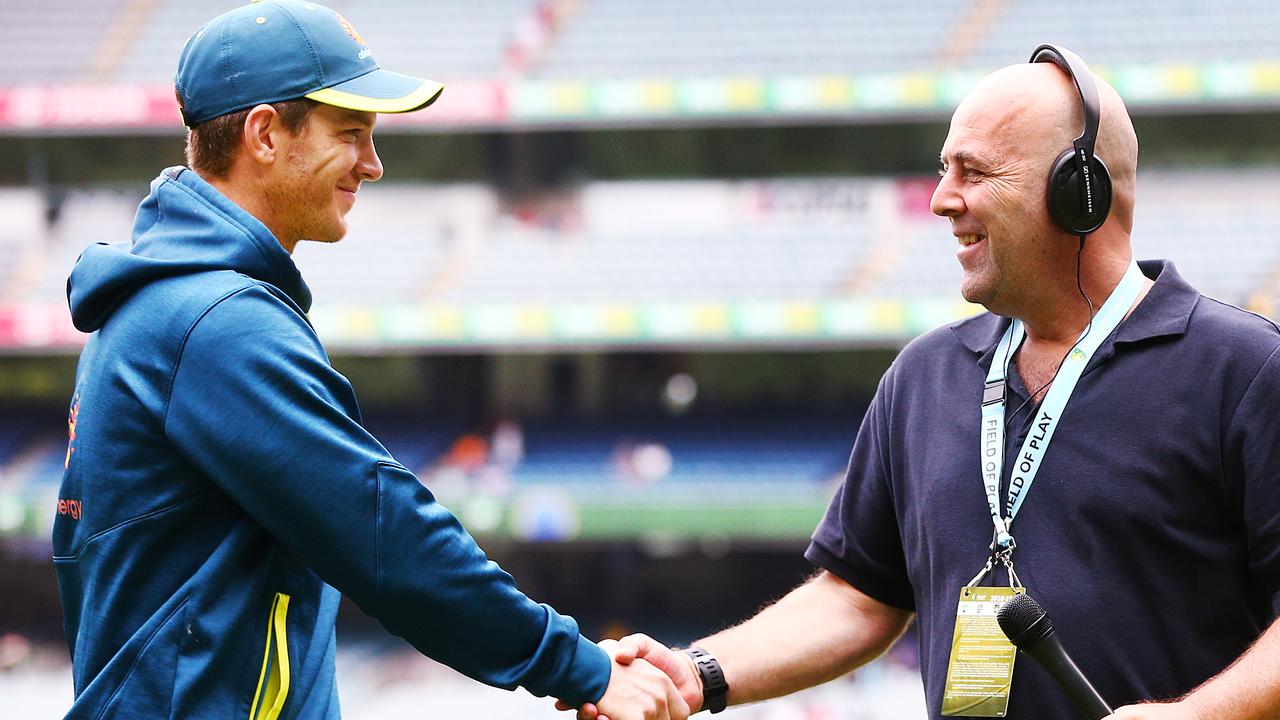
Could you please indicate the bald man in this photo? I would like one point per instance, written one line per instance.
(1153, 534)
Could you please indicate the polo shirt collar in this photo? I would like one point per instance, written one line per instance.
(1165, 311)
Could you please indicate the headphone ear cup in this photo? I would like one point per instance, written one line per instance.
(1066, 195)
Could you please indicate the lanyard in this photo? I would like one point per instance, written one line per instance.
(1050, 411)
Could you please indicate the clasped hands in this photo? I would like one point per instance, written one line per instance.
(649, 682)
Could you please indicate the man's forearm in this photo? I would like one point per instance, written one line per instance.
(1247, 690)
(817, 632)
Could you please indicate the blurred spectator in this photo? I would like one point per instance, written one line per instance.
(507, 445)
(15, 650)
(642, 462)
(468, 453)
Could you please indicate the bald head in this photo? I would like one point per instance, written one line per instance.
(1036, 111)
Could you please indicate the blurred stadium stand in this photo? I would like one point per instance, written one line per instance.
(417, 240)
(53, 42)
(16, 436)
(718, 451)
(124, 42)
(1107, 32)
(665, 240)
(138, 41)
(23, 210)
(450, 40)
(612, 39)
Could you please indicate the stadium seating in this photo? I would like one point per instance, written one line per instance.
(628, 242)
(84, 217)
(1191, 219)
(713, 451)
(1104, 32)
(52, 41)
(65, 42)
(923, 264)
(752, 37)
(24, 225)
(16, 435)
(445, 40)
(402, 241)
(768, 263)
(646, 258)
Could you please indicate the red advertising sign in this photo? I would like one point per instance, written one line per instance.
(88, 106)
(38, 326)
(110, 107)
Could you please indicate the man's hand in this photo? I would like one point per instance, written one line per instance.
(1157, 711)
(677, 666)
(637, 691)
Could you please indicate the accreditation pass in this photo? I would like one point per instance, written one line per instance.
(980, 670)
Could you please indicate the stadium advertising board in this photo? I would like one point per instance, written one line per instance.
(516, 103)
(39, 327)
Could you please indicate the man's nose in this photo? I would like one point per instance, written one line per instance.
(369, 166)
(946, 200)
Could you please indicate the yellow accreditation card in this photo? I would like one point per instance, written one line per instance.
(980, 671)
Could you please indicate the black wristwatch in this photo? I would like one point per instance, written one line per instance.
(715, 691)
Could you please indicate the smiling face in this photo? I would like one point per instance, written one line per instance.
(995, 166)
(312, 189)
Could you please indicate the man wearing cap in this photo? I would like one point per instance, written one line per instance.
(223, 483)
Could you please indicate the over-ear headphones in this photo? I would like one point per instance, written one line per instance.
(1079, 184)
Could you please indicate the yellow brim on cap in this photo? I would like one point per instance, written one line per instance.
(423, 96)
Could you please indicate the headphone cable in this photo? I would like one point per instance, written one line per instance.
(1088, 327)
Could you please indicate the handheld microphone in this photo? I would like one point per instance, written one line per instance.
(1029, 628)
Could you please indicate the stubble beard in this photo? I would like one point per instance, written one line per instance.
(978, 282)
(306, 209)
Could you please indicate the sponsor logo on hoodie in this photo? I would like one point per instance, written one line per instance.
(71, 508)
(71, 430)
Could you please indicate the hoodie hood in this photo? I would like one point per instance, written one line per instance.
(184, 226)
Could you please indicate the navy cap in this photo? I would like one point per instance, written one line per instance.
(280, 50)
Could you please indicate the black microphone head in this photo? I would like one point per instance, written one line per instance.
(1023, 621)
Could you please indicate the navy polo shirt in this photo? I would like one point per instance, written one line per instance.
(1151, 534)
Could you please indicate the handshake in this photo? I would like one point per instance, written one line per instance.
(649, 682)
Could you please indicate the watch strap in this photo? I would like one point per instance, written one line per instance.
(715, 690)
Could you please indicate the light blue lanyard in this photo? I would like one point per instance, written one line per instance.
(1046, 421)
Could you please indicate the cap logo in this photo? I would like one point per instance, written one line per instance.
(350, 30)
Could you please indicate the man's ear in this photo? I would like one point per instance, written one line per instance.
(263, 130)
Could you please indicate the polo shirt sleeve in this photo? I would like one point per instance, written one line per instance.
(858, 540)
(1253, 456)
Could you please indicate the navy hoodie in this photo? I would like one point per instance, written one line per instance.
(220, 486)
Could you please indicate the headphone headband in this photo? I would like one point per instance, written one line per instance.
(1079, 73)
